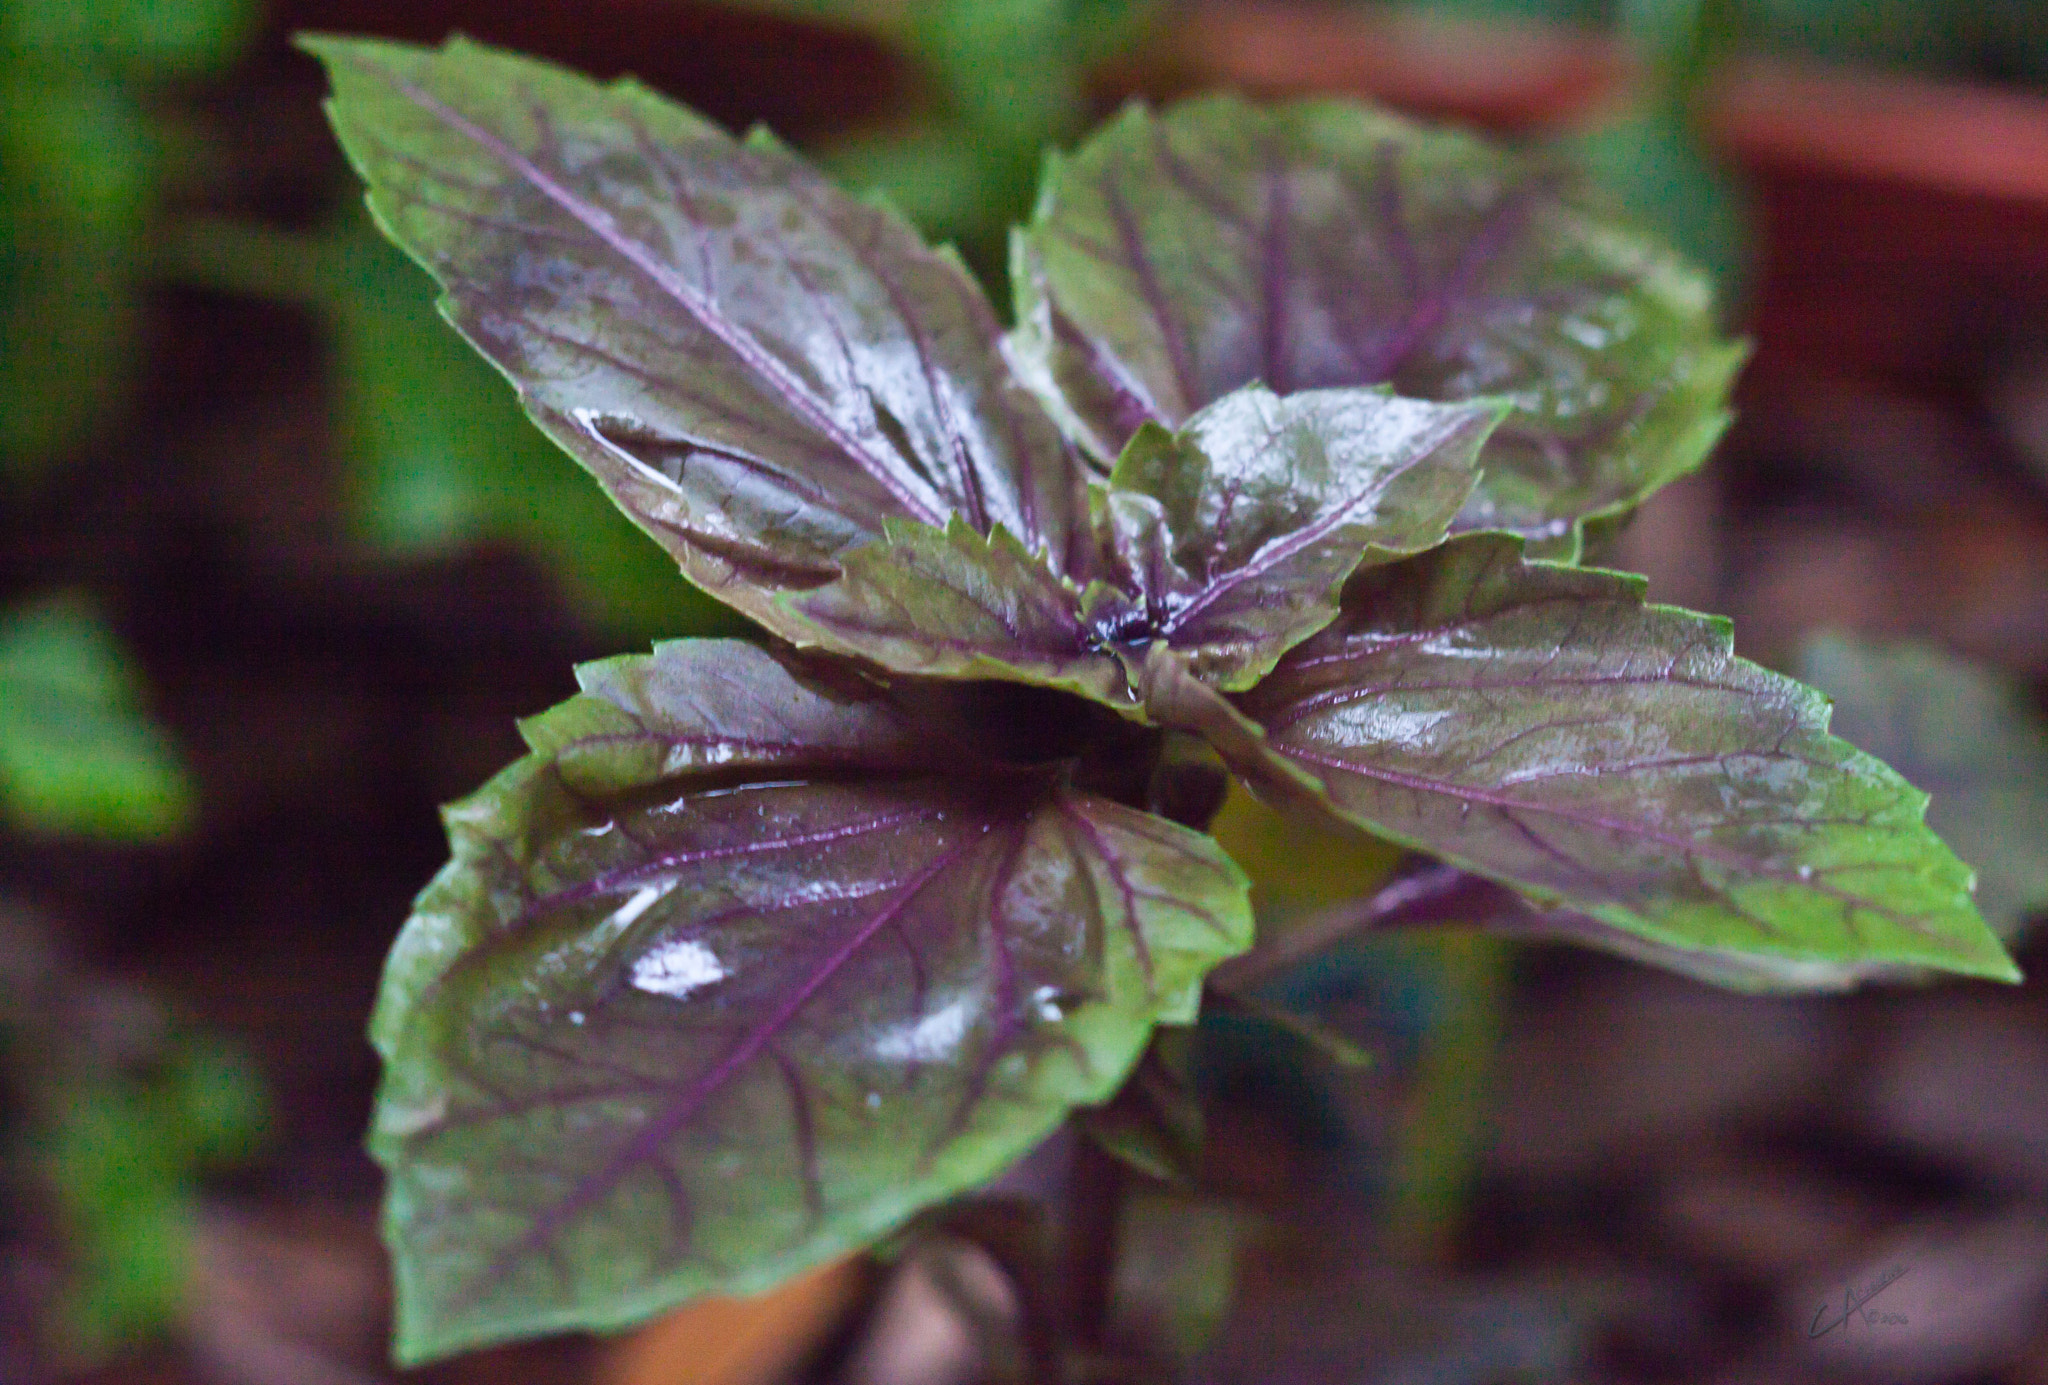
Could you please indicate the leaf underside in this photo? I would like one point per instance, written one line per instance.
(743, 965)
(1178, 256)
(1440, 896)
(1543, 726)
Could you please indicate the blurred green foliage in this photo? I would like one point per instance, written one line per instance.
(1994, 40)
(437, 453)
(1654, 157)
(121, 1153)
(81, 164)
(111, 1111)
(1175, 1272)
(1003, 79)
(77, 755)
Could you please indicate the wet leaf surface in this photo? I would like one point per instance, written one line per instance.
(1178, 256)
(1964, 735)
(1545, 727)
(758, 368)
(1230, 539)
(1224, 543)
(726, 979)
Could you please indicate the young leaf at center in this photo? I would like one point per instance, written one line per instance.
(745, 964)
(1230, 539)
(1180, 255)
(1223, 544)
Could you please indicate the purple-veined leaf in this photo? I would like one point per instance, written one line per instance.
(1546, 728)
(1178, 256)
(951, 603)
(1439, 896)
(1230, 539)
(759, 369)
(746, 963)
(1225, 543)
(1970, 738)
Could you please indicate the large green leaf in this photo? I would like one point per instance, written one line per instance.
(77, 755)
(1176, 257)
(1967, 737)
(759, 369)
(747, 962)
(1543, 726)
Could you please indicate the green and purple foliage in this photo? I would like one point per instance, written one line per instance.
(766, 946)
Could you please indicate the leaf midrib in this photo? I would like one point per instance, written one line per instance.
(600, 224)
(1685, 846)
(1280, 550)
(658, 1131)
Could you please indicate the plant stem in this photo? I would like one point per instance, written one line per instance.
(1092, 1200)
(1421, 896)
(1441, 1142)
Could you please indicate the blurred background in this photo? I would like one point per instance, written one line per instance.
(280, 561)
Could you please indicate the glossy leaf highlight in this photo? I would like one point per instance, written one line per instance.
(1543, 726)
(747, 962)
(1230, 539)
(1178, 256)
(1224, 544)
(1966, 736)
(759, 369)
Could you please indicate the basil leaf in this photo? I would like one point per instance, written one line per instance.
(1177, 256)
(950, 603)
(1227, 542)
(1543, 726)
(1752, 972)
(1966, 736)
(757, 368)
(745, 964)
(1230, 539)
(1439, 896)
(77, 754)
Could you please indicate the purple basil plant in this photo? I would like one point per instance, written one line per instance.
(1284, 473)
